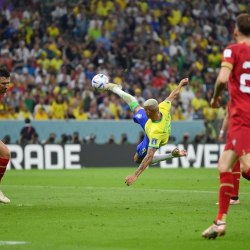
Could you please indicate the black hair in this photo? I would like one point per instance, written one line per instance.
(4, 72)
(27, 120)
(243, 23)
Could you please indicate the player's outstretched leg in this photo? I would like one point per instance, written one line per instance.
(174, 154)
(236, 177)
(178, 153)
(226, 188)
(129, 99)
(3, 198)
(110, 86)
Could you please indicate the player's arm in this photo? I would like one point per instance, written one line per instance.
(223, 127)
(173, 95)
(220, 83)
(144, 164)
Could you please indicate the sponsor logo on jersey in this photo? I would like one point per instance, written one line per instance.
(227, 53)
(154, 141)
(234, 142)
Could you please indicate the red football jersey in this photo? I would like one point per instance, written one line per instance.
(237, 57)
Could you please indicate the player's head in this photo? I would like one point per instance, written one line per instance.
(242, 26)
(4, 80)
(151, 108)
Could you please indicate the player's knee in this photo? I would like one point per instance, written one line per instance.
(137, 159)
(222, 169)
(4, 151)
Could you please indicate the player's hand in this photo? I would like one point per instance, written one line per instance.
(130, 179)
(184, 82)
(214, 103)
(221, 138)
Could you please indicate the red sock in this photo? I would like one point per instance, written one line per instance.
(225, 193)
(246, 174)
(3, 165)
(236, 176)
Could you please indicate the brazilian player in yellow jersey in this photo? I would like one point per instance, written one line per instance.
(158, 131)
(155, 120)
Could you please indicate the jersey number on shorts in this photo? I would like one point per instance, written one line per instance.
(245, 77)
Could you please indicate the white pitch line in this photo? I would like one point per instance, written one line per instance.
(161, 190)
(2, 243)
(125, 189)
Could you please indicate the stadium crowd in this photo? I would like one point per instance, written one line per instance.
(54, 48)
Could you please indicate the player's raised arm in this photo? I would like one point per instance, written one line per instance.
(176, 91)
(223, 127)
(144, 164)
(220, 84)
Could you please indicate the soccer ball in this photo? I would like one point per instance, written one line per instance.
(99, 81)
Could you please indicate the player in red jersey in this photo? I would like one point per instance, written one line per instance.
(235, 72)
(4, 151)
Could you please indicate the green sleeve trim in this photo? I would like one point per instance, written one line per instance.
(150, 146)
(133, 105)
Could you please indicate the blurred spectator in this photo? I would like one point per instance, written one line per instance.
(80, 114)
(177, 112)
(210, 132)
(6, 139)
(90, 139)
(104, 109)
(35, 139)
(124, 139)
(186, 97)
(185, 140)
(40, 113)
(92, 114)
(209, 113)
(76, 139)
(57, 47)
(111, 140)
(69, 139)
(51, 139)
(189, 113)
(24, 112)
(138, 96)
(22, 53)
(27, 133)
(115, 107)
(59, 108)
(199, 103)
(64, 139)
(198, 139)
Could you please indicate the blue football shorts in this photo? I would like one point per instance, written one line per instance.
(141, 118)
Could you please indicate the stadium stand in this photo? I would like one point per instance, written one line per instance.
(54, 48)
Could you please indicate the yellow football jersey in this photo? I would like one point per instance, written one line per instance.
(158, 132)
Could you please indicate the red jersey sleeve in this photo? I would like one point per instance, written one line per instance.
(228, 57)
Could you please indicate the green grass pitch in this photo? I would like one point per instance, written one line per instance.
(93, 209)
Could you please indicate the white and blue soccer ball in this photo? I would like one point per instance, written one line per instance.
(98, 82)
